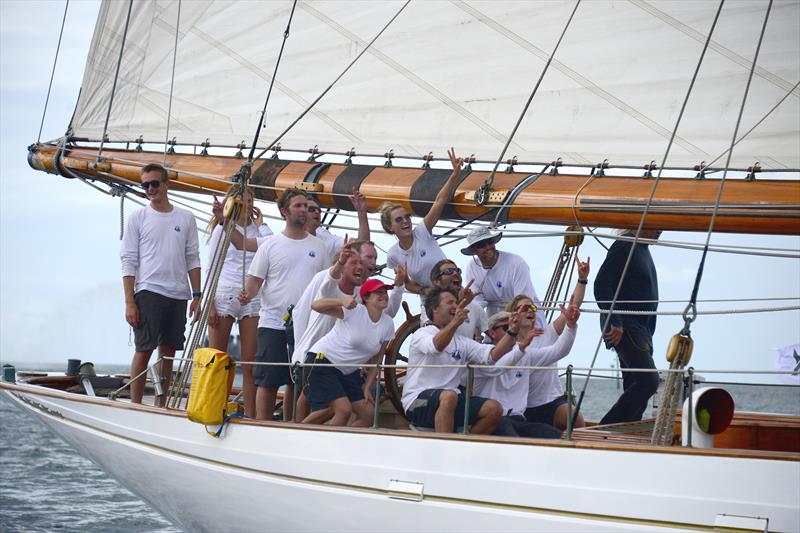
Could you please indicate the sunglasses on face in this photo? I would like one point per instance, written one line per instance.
(503, 326)
(449, 272)
(154, 184)
(480, 245)
(313, 209)
(399, 220)
(527, 307)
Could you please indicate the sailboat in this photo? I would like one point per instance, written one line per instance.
(582, 114)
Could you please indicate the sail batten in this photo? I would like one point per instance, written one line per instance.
(455, 74)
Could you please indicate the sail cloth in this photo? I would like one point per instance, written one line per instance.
(454, 73)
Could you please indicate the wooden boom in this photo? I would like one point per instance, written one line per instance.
(758, 206)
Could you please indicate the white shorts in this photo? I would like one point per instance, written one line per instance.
(227, 303)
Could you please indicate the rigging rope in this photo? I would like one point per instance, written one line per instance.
(116, 77)
(483, 193)
(172, 80)
(52, 73)
(698, 277)
(671, 392)
(263, 116)
(353, 62)
(647, 207)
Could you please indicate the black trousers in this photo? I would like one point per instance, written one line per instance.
(517, 426)
(635, 350)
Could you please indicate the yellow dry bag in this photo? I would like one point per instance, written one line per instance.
(212, 378)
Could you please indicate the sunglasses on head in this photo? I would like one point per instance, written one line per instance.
(154, 184)
(399, 220)
(313, 209)
(449, 271)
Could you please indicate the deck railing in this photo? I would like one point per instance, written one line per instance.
(569, 371)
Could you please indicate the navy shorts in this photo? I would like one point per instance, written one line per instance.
(325, 383)
(422, 412)
(545, 413)
(272, 348)
(162, 322)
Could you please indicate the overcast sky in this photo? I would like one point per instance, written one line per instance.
(60, 286)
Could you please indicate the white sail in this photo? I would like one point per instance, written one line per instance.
(454, 73)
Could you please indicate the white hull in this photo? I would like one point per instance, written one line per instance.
(288, 478)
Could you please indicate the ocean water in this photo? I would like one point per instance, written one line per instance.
(46, 486)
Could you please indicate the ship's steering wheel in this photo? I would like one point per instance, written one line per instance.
(394, 353)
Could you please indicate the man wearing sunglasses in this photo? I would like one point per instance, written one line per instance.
(497, 276)
(446, 275)
(333, 243)
(160, 272)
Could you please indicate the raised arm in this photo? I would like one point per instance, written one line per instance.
(508, 340)
(360, 203)
(578, 292)
(333, 306)
(445, 193)
(446, 334)
(237, 239)
(396, 297)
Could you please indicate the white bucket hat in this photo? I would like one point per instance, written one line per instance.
(478, 235)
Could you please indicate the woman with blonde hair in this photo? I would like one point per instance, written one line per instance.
(416, 248)
(547, 403)
(226, 309)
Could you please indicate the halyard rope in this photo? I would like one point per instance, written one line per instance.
(52, 73)
(647, 205)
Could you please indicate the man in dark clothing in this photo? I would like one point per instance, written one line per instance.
(630, 335)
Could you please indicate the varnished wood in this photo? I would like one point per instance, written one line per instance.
(761, 206)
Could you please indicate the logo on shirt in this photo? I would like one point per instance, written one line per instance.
(519, 373)
(456, 355)
(312, 253)
(423, 253)
(178, 229)
(499, 284)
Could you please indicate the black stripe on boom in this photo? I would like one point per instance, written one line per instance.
(265, 175)
(427, 186)
(350, 178)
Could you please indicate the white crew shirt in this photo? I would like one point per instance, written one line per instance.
(231, 275)
(421, 257)
(333, 243)
(498, 285)
(477, 320)
(544, 386)
(510, 386)
(459, 351)
(355, 338)
(287, 266)
(159, 249)
(310, 326)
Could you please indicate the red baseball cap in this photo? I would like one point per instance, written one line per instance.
(372, 285)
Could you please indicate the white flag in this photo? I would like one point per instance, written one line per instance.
(789, 360)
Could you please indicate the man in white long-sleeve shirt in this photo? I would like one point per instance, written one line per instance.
(497, 276)
(432, 397)
(160, 272)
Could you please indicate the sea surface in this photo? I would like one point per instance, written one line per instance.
(46, 486)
